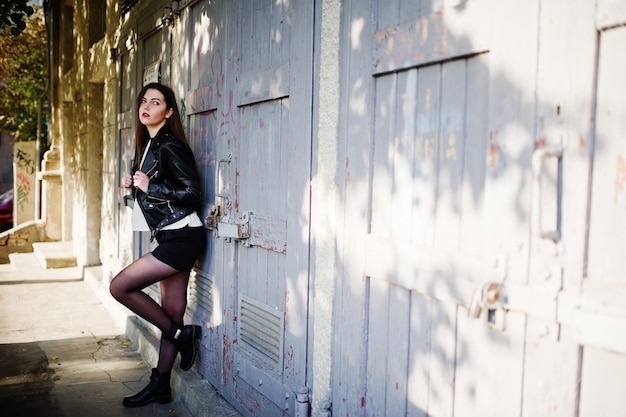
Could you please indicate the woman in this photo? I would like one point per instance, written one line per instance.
(166, 187)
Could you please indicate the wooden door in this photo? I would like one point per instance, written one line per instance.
(470, 285)
(148, 54)
(415, 203)
(598, 315)
(155, 52)
(429, 250)
(250, 109)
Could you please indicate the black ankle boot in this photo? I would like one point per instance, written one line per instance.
(185, 340)
(158, 390)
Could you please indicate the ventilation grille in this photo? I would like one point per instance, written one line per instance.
(261, 329)
(200, 295)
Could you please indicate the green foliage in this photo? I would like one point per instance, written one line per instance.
(23, 73)
(12, 15)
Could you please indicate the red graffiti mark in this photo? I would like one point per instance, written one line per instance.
(261, 124)
(540, 143)
(24, 180)
(386, 33)
(236, 202)
(226, 359)
(581, 142)
(494, 149)
(620, 176)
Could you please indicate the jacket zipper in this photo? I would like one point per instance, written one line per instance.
(154, 165)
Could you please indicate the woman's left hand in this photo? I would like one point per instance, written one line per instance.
(141, 181)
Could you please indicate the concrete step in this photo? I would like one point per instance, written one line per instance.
(50, 262)
(55, 254)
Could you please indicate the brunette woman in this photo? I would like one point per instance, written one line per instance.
(167, 194)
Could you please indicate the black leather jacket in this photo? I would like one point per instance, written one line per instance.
(174, 190)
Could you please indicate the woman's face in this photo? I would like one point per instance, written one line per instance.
(153, 110)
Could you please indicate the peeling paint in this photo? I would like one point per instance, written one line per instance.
(620, 177)
(494, 149)
(451, 153)
(540, 143)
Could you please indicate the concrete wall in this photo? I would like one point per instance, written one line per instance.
(72, 169)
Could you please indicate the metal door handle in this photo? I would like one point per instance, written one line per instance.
(537, 168)
(217, 179)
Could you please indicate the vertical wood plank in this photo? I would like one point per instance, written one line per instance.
(451, 151)
(396, 386)
(402, 154)
(228, 280)
(428, 109)
(511, 115)
(353, 166)
(475, 151)
(383, 185)
(602, 392)
(442, 360)
(377, 348)
(295, 126)
(419, 356)
(386, 13)
(488, 367)
(470, 366)
(551, 374)
(608, 216)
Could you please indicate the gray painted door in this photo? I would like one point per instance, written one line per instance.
(153, 51)
(470, 285)
(250, 123)
(599, 313)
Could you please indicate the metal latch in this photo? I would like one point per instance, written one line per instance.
(222, 220)
(212, 218)
(493, 299)
(233, 225)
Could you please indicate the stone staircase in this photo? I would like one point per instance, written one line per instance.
(48, 262)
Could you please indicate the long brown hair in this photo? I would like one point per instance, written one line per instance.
(172, 123)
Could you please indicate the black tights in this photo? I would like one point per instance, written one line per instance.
(127, 288)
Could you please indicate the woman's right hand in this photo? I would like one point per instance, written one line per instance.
(128, 181)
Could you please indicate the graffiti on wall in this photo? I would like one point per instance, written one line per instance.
(25, 171)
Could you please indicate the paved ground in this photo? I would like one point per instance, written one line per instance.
(61, 354)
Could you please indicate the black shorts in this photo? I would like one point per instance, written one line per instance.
(180, 248)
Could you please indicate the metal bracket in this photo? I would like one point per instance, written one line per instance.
(491, 298)
(234, 225)
(212, 218)
(231, 226)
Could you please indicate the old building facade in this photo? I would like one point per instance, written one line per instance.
(412, 207)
